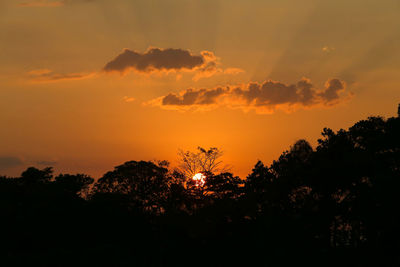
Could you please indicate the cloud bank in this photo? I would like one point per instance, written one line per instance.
(165, 60)
(262, 98)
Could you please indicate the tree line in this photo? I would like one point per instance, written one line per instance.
(333, 205)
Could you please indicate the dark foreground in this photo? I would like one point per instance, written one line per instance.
(335, 205)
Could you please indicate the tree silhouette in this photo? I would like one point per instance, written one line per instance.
(34, 175)
(224, 185)
(203, 160)
(217, 186)
(398, 110)
(145, 183)
(77, 184)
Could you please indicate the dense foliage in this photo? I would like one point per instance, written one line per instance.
(335, 205)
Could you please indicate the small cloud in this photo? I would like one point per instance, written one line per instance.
(46, 75)
(42, 3)
(128, 99)
(328, 49)
(9, 162)
(263, 98)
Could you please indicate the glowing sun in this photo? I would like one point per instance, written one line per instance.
(200, 179)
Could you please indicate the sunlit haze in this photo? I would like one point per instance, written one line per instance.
(87, 85)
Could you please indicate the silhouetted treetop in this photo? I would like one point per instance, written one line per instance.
(144, 182)
(77, 184)
(219, 186)
(202, 160)
(398, 110)
(34, 175)
(259, 179)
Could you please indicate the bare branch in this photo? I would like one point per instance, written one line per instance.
(204, 160)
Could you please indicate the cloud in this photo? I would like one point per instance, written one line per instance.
(128, 99)
(328, 49)
(9, 162)
(154, 59)
(332, 90)
(211, 67)
(166, 60)
(42, 3)
(46, 75)
(263, 98)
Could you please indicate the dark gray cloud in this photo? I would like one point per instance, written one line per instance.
(194, 97)
(331, 93)
(264, 97)
(164, 60)
(155, 59)
(9, 162)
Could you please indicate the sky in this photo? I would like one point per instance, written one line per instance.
(86, 85)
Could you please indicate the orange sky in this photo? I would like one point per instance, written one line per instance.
(89, 84)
